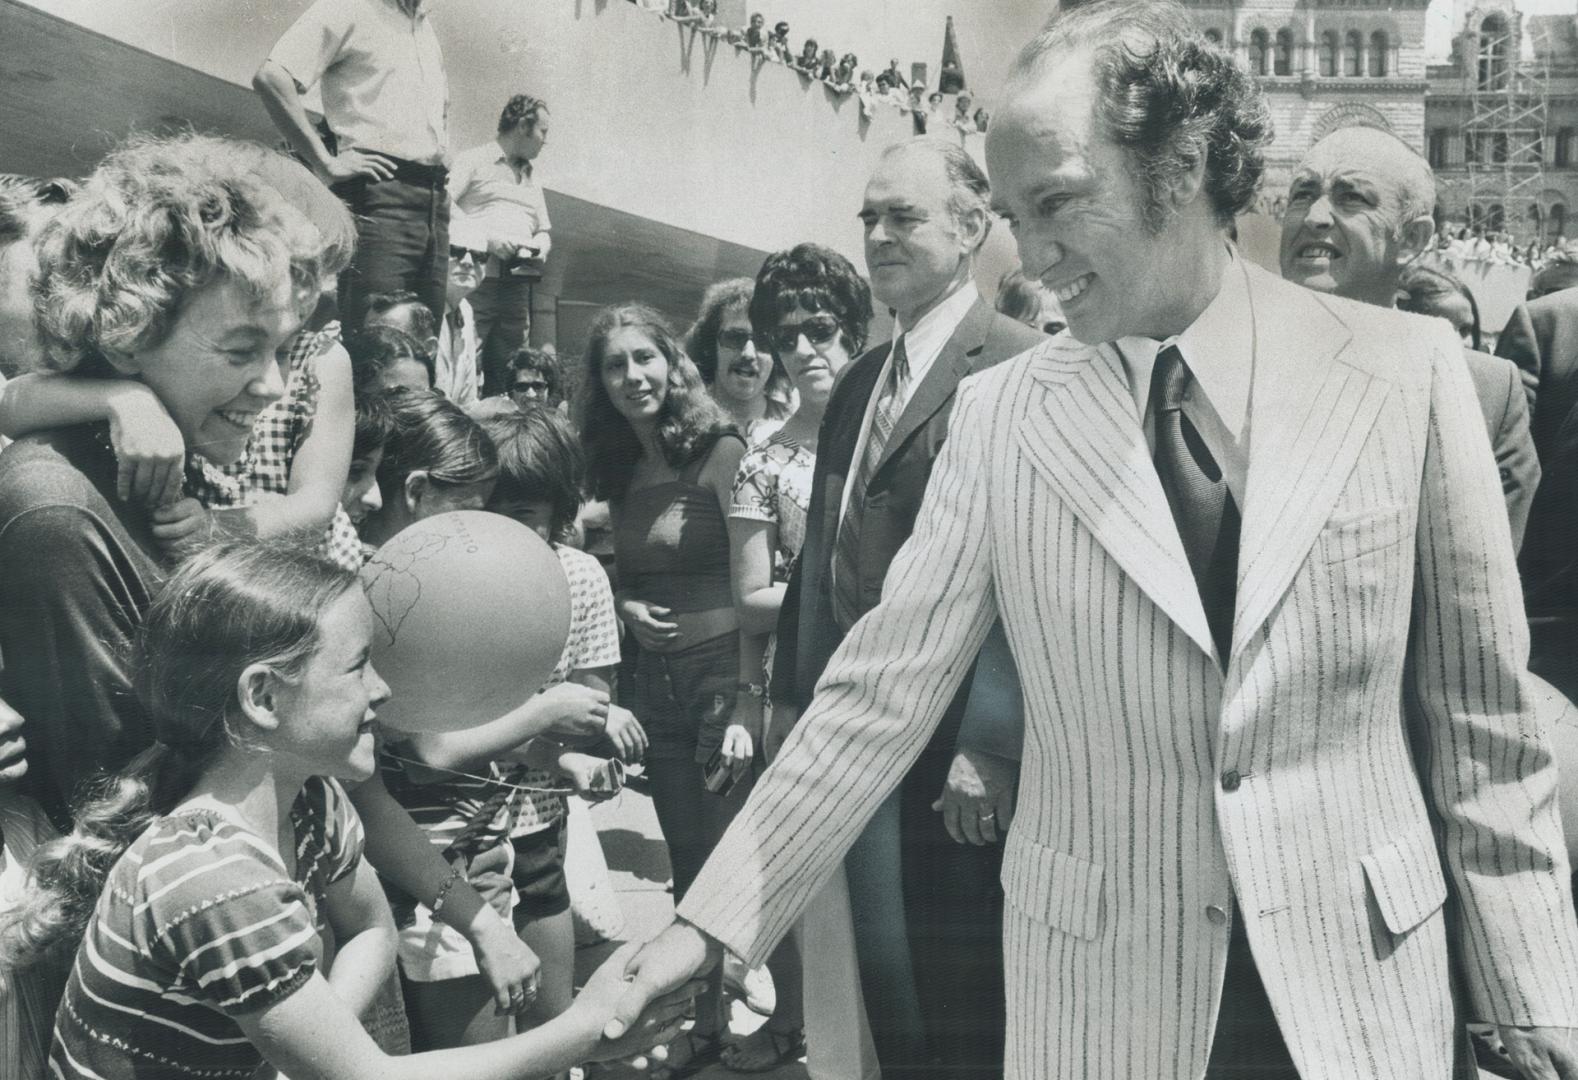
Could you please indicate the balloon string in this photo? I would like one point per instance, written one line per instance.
(483, 779)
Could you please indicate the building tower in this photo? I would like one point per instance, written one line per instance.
(1506, 84)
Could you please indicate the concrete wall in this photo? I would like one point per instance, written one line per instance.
(648, 117)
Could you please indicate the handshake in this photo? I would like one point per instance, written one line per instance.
(639, 1009)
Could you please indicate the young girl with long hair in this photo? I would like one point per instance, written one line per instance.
(659, 450)
(216, 886)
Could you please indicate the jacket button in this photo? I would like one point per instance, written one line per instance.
(1231, 780)
(1215, 915)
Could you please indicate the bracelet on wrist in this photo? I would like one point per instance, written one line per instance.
(455, 875)
(751, 689)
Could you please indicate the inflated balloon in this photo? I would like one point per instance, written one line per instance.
(471, 612)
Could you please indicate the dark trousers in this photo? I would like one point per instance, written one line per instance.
(949, 901)
(502, 307)
(1248, 1043)
(402, 239)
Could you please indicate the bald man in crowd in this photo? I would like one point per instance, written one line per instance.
(1359, 213)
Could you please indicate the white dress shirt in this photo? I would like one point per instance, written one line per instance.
(1219, 349)
(382, 72)
(922, 346)
(455, 366)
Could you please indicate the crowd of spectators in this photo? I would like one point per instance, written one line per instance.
(841, 73)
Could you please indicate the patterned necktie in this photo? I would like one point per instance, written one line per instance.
(846, 550)
(1197, 493)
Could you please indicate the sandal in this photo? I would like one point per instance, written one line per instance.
(786, 1046)
(703, 1050)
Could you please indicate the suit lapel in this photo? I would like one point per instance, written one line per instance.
(942, 379)
(1087, 443)
(1311, 414)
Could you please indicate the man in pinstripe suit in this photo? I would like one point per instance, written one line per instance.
(1247, 545)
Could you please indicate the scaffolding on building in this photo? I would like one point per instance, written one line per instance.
(1504, 138)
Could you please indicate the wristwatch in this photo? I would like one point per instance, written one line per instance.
(755, 690)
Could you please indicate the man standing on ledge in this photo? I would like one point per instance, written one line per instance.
(493, 186)
(1248, 546)
(386, 102)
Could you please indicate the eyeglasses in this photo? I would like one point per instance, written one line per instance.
(458, 253)
(536, 387)
(818, 330)
(735, 338)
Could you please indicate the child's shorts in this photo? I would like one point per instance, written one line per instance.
(540, 889)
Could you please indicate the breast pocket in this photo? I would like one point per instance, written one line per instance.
(1053, 887)
(1364, 532)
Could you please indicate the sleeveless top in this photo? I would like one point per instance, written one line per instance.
(671, 543)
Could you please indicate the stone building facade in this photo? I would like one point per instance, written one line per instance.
(1326, 64)
(1543, 162)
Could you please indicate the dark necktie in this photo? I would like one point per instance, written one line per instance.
(455, 317)
(846, 549)
(1197, 493)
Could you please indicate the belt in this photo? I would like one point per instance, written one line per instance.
(415, 173)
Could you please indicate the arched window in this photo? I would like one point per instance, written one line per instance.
(1328, 54)
(1564, 147)
(1283, 60)
(1214, 36)
(1498, 148)
(1353, 54)
(1493, 42)
(1476, 215)
(1558, 221)
(1495, 218)
(1380, 53)
(1438, 147)
(1260, 53)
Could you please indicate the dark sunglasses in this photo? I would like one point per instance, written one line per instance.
(818, 330)
(529, 388)
(458, 253)
(735, 338)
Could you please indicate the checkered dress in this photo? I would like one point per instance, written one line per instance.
(277, 434)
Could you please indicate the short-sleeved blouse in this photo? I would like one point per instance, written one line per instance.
(200, 922)
(774, 485)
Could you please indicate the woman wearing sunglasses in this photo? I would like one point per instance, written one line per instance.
(811, 307)
(664, 457)
(744, 381)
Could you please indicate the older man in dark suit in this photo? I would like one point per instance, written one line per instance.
(1542, 339)
(924, 893)
(1359, 212)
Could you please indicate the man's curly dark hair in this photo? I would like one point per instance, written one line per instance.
(1166, 96)
(521, 110)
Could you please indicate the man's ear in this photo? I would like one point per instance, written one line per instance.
(1414, 238)
(1189, 185)
(974, 225)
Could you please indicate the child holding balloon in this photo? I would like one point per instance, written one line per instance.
(217, 886)
(437, 459)
(541, 473)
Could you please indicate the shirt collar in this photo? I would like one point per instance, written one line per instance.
(1218, 347)
(938, 324)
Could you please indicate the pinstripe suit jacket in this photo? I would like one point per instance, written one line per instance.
(1375, 684)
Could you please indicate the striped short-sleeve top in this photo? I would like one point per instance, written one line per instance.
(199, 922)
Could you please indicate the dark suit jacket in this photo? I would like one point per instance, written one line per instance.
(807, 629)
(1501, 398)
(1542, 339)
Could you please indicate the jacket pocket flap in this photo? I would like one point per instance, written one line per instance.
(1055, 888)
(1406, 880)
